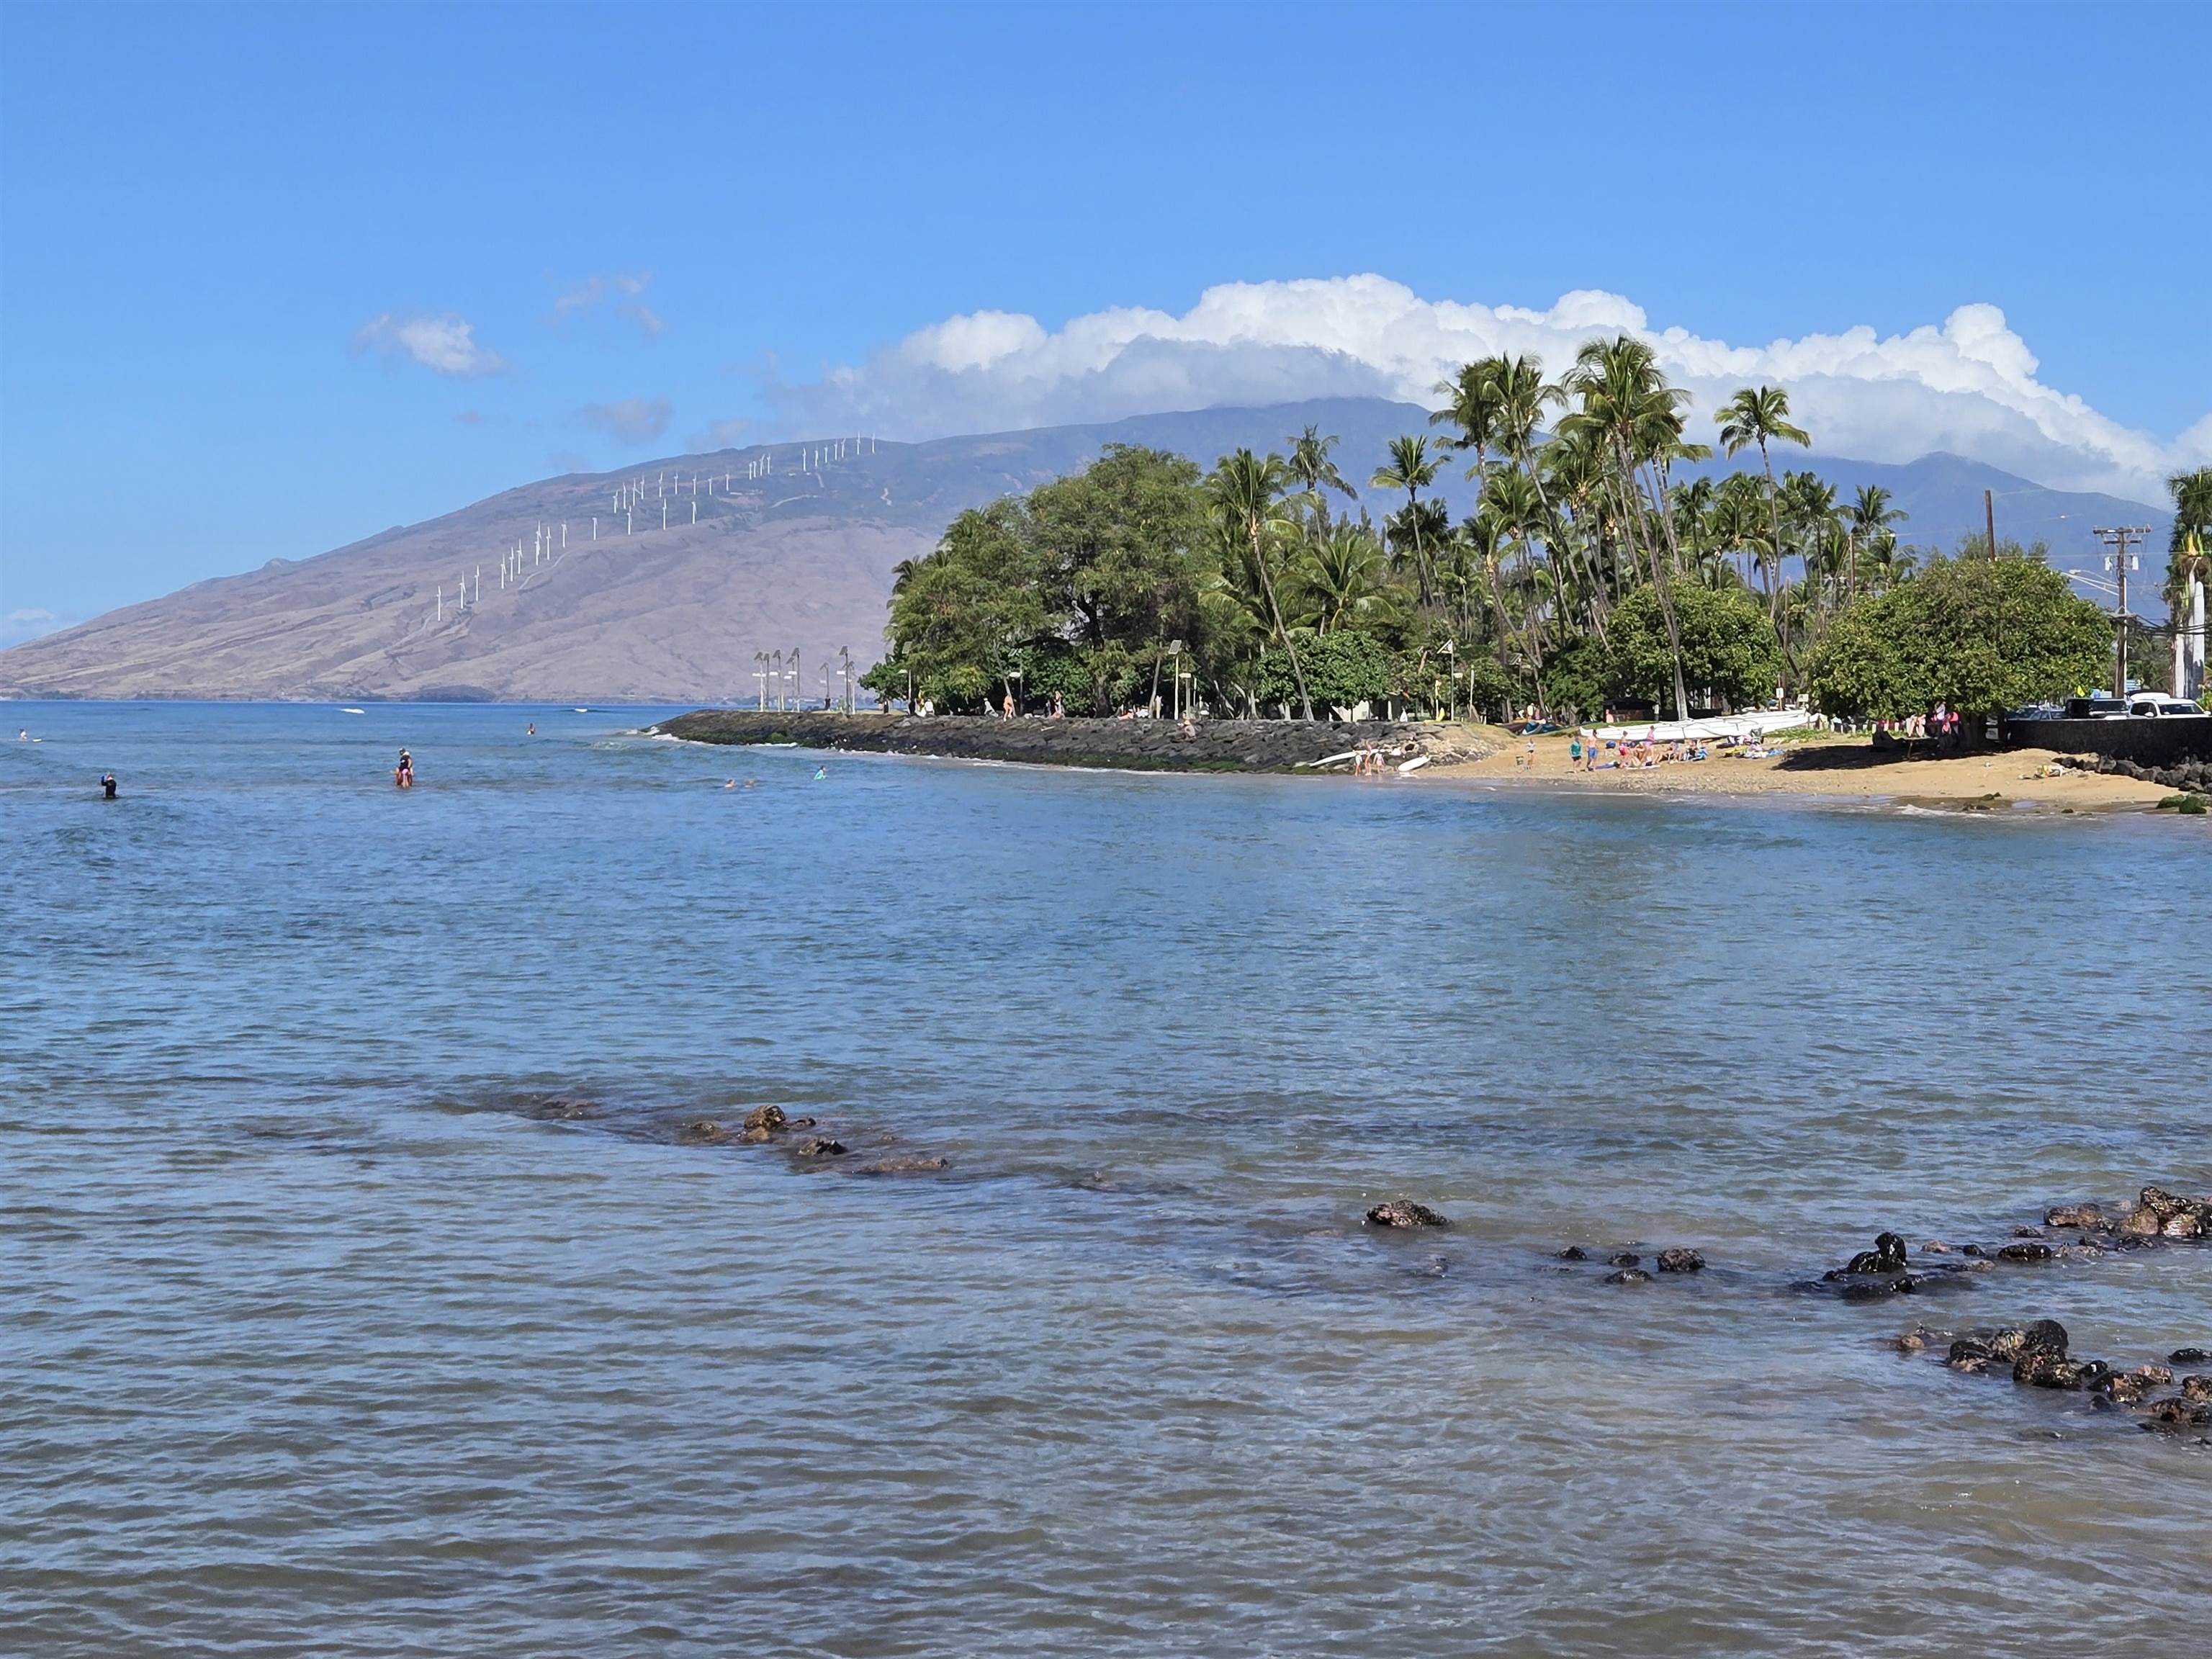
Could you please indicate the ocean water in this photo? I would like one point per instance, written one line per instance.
(316, 1342)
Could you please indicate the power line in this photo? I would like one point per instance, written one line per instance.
(2120, 560)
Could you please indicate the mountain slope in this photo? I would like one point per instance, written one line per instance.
(795, 560)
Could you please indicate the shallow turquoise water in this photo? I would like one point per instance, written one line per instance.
(318, 1343)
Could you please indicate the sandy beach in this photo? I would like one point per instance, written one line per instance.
(1844, 768)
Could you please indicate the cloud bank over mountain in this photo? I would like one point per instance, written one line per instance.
(1968, 384)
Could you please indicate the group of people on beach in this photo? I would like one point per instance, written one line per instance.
(1004, 709)
(1631, 754)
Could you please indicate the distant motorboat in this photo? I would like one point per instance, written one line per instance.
(353, 711)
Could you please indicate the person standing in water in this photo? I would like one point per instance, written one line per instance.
(404, 775)
(108, 786)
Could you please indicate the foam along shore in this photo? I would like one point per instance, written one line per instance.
(1140, 745)
(1838, 768)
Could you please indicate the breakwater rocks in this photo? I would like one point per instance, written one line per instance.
(1127, 745)
(2193, 776)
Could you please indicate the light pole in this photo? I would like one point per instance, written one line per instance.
(1175, 659)
(1451, 669)
(760, 677)
(775, 673)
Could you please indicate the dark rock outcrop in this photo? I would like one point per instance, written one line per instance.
(821, 1147)
(1629, 1276)
(1404, 1212)
(1679, 1260)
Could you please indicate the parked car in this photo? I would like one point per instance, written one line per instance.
(2164, 705)
(2095, 709)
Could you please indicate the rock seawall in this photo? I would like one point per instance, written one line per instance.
(1129, 745)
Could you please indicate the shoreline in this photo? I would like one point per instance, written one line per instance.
(1822, 769)
(1838, 770)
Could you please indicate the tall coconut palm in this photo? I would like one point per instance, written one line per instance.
(1412, 469)
(1316, 474)
(1760, 416)
(1623, 398)
(1473, 402)
(1344, 576)
(1247, 491)
(1873, 519)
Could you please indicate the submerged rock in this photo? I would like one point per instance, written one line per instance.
(890, 1166)
(1624, 1259)
(2074, 1215)
(1574, 1253)
(564, 1108)
(1629, 1276)
(2187, 1357)
(1404, 1212)
(702, 1132)
(1679, 1260)
(822, 1147)
(2036, 1252)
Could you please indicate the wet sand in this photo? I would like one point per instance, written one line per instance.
(1842, 769)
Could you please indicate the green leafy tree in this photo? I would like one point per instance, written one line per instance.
(1726, 648)
(1341, 670)
(1981, 634)
(1316, 473)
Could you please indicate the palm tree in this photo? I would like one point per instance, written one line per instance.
(1625, 400)
(1311, 466)
(1872, 519)
(1412, 469)
(1248, 493)
(1473, 401)
(1343, 571)
(1761, 415)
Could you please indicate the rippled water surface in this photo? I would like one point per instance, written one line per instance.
(316, 1342)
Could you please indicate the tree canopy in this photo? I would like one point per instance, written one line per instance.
(1981, 635)
(1587, 570)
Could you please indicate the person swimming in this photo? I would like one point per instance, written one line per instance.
(531, 731)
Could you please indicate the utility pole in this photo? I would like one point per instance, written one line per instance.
(2118, 561)
(1989, 514)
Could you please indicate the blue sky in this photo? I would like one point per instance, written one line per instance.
(275, 278)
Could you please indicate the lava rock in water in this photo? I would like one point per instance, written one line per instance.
(2037, 1252)
(2047, 1370)
(564, 1108)
(1574, 1253)
(822, 1148)
(886, 1166)
(2197, 1390)
(702, 1132)
(2187, 1357)
(1624, 1259)
(2176, 1414)
(2045, 1336)
(2074, 1215)
(1680, 1261)
(1887, 1257)
(1629, 1276)
(764, 1119)
(2159, 1213)
(1404, 1212)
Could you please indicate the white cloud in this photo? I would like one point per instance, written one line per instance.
(28, 623)
(1969, 385)
(32, 615)
(446, 343)
(595, 289)
(633, 419)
